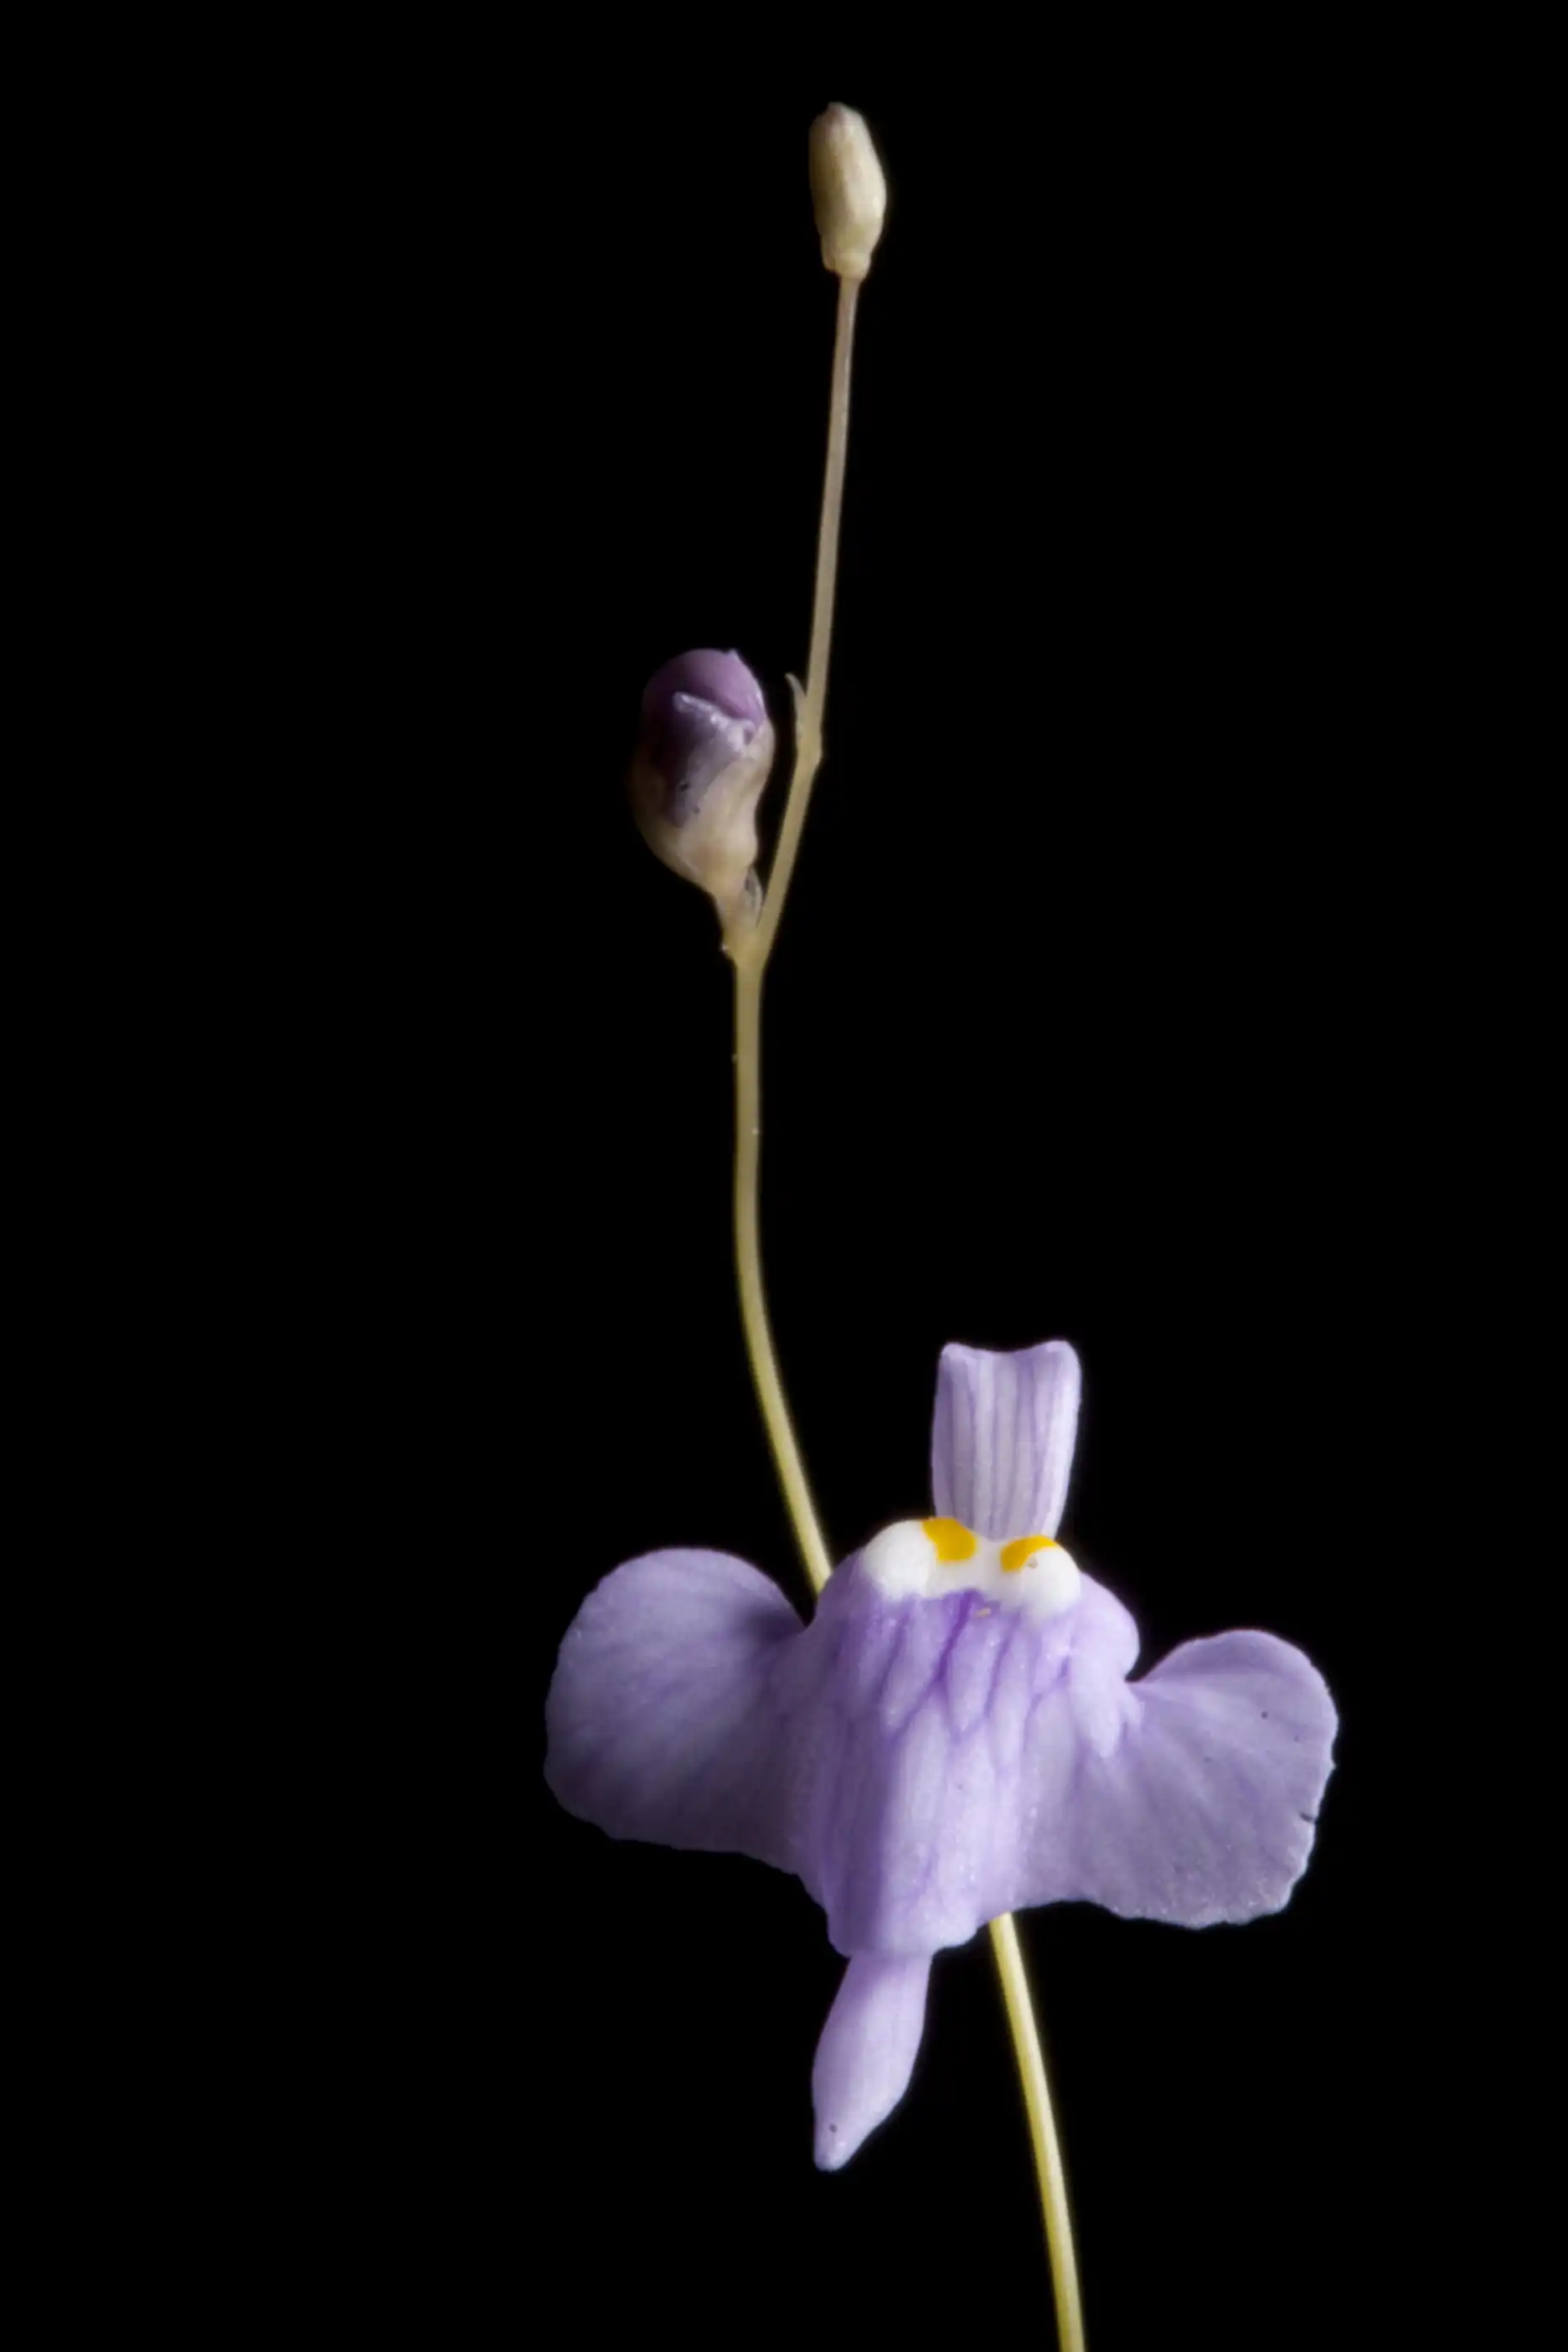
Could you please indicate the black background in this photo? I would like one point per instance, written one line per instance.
(1116, 999)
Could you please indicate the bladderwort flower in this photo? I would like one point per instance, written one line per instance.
(953, 1735)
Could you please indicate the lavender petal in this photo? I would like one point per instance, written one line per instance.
(661, 1718)
(1200, 1805)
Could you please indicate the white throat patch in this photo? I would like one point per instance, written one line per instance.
(923, 1559)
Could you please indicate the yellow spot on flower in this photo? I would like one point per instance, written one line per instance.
(950, 1540)
(1016, 1554)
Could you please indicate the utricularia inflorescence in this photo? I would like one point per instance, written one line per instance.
(953, 1735)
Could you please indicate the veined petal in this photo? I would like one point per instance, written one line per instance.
(907, 1726)
(662, 1719)
(1002, 1438)
(1200, 1806)
(947, 1759)
(868, 2051)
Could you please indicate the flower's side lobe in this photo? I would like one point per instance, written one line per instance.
(660, 1717)
(1196, 1803)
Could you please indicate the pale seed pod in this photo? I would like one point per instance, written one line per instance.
(848, 191)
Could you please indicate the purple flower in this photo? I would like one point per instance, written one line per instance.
(952, 1736)
(703, 755)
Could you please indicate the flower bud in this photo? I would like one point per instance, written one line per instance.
(848, 192)
(702, 758)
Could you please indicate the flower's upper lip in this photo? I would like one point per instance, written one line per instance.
(1001, 1437)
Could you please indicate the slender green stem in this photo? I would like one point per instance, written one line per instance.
(749, 1270)
(1042, 2129)
(750, 951)
(810, 701)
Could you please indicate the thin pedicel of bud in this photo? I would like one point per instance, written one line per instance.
(848, 191)
(704, 755)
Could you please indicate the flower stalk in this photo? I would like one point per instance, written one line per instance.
(1009, 1957)
(749, 943)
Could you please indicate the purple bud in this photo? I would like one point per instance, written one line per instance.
(702, 758)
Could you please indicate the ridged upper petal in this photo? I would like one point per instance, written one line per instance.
(1001, 1437)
